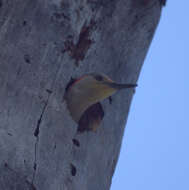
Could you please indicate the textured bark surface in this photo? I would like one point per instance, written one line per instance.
(43, 43)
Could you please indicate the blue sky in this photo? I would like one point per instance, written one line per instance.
(155, 147)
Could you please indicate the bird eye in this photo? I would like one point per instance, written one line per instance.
(98, 77)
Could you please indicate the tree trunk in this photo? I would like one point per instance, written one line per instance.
(43, 43)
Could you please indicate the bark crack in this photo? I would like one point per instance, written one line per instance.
(37, 130)
(36, 134)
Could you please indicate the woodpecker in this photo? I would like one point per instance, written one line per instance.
(88, 90)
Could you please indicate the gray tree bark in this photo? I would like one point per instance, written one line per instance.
(43, 43)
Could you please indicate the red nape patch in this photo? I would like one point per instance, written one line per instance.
(77, 80)
(91, 118)
(72, 82)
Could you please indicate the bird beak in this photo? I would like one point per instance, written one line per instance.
(120, 86)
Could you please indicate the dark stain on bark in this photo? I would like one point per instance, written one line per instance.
(27, 58)
(35, 166)
(78, 51)
(6, 165)
(49, 91)
(162, 2)
(91, 118)
(76, 142)
(110, 100)
(73, 169)
(24, 23)
(1, 3)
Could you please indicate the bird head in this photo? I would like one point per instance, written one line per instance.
(88, 90)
